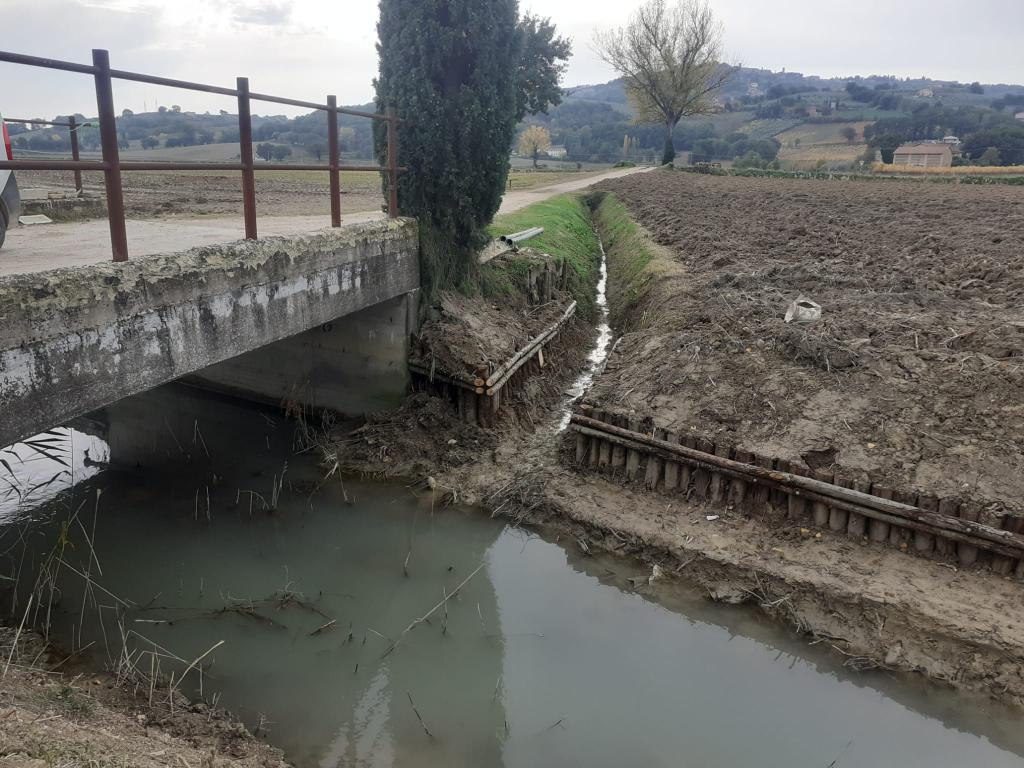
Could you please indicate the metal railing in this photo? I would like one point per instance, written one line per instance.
(72, 125)
(112, 165)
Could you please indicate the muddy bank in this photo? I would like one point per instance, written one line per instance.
(52, 715)
(877, 607)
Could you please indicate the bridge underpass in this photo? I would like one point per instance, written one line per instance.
(322, 319)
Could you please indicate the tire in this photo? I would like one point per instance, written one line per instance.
(3, 229)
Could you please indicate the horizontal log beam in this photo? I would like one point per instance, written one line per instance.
(954, 528)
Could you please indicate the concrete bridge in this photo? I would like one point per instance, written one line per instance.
(322, 319)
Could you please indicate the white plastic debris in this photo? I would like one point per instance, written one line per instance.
(34, 218)
(803, 310)
(711, 518)
(657, 573)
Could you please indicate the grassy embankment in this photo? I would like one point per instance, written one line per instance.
(637, 267)
(568, 236)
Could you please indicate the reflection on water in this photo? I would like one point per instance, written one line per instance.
(545, 657)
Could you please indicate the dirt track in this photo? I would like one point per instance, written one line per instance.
(913, 377)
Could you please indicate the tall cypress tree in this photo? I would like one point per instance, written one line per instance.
(460, 74)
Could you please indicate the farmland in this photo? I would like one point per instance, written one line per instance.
(914, 375)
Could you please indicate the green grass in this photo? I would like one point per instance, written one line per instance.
(630, 257)
(568, 236)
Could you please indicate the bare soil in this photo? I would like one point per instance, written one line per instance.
(166, 193)
(704, 343)
(52, 717)
(913, 377)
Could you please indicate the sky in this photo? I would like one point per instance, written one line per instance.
(305, 49)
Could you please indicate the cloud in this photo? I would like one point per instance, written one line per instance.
(264, 14)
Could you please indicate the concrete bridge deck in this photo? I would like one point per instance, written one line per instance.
(321, 319)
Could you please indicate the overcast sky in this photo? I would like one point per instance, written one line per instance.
(308, 48)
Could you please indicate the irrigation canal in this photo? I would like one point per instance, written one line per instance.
(543, 657)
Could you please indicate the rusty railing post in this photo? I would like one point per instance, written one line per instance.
(245, 144)
(73, 129)
(332, 150)
(108, 143)
(392, 163)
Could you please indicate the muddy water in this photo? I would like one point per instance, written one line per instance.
(544, 657)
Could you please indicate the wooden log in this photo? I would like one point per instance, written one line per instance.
(838, 518)
(924, 543)
(654, 464)
(857, 524)
(632, 454)
(738, 487)
(966, 553)
(671, 467)
(943, 546)
(702, 477)
(893, 512)
(513, 364)
(878, 530)
(797, 506)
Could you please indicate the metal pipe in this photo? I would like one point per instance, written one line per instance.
(73, 130)
(392, 164)
(518, 237)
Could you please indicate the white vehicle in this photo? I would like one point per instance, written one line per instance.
(10, 198)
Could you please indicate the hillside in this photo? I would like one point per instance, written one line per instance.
(790, 119)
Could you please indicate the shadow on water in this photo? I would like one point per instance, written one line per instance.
(214, 529)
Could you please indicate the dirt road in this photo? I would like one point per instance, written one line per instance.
(41, 247)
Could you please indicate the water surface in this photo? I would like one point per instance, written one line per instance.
(544, 657)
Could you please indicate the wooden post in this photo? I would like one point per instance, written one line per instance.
(248, 163)
(763, 494)
(738, 488)
(838, 519)
(619, 451)
(943, 546)
(720, 482)
(967, 553)
(820, 509)
(898, 535)
(595, 443)
(701, 477)
(878, 530)
(633, 455)
(686, 471)
(654, 464)
(797, 508)
(671, 467)
(779, 498)
(857, 525)
(1001, 564)
(925, 542)
(108, 144)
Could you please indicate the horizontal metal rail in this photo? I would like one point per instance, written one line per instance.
(112, 166)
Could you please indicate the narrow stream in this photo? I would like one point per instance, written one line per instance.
(602, 346)
(544, 657)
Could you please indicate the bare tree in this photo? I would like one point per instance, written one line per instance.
(671, 59)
